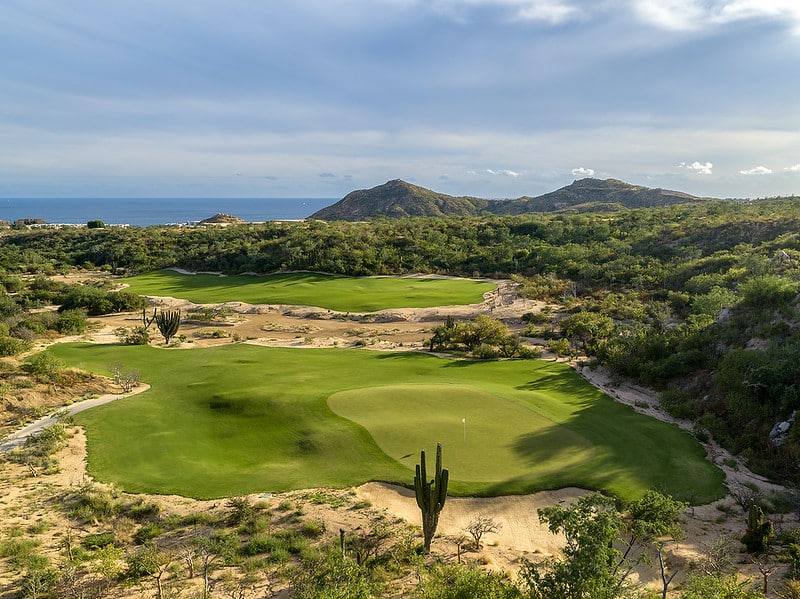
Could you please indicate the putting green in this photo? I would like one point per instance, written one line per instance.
(346, 294)
(480, 430)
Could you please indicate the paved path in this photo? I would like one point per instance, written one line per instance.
(18, 438)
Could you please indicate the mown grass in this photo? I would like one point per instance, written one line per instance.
(242, 419)
(345, 294)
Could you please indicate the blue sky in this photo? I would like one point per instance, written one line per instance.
(315, 98)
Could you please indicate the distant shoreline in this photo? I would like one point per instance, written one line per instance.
(145, 212)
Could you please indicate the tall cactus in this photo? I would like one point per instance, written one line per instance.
(168, 323)
(759, 531)
(430, 495)
(146, 322)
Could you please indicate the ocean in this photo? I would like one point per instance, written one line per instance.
(143, 212)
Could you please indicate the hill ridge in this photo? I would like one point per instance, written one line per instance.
(397, 199)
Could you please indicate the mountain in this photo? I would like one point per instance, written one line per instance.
(594, 195)
(397, 199)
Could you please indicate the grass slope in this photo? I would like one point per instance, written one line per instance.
(346, 294)
(241, 419)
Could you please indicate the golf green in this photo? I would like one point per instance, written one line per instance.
(471, 424)
(242, 418)
(346, 294)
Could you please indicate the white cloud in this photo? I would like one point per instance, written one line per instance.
(759, 170)
(703, 168)
(583, 172)
(794, 169)
(697, 15)
(503, 172)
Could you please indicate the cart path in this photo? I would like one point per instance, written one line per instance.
(18, 438)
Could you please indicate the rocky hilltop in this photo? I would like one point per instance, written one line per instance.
(397, 199)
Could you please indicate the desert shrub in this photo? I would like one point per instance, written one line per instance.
(262, 543)
(465, 582)
(98, 301)
(559, 347)
(11, 346)
(240, 509)
(134, 336)
(18, 551)
(331, 577)
(94, 504)
(146, 533)
(719, 586)
(197, 519)
(485, 352)
(257, 524)
(98, 540)
(43, 366)
(38, 450)
(767, 291)
(789, 589)
(39, 581)
(312, 528)
(142, 510)
(71, 322)
(11, 283)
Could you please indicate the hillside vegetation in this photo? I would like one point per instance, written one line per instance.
(698, 300)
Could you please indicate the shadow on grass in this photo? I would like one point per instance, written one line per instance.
(566, 382)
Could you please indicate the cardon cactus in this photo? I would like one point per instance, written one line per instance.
(168, 324)
(430, 495)
(759, 531)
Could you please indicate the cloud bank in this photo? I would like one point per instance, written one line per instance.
(703, 168)
(759, 170)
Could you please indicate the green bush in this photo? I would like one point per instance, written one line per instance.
(485, 352)
(11, 346)
(98, 540)
(146, 533)
(765, 291)
(465, 582)
(44, 366)
(94, 504)
(71, 322)
(312, 528)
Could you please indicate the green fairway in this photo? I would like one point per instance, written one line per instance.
(242, 419)
(346, 294)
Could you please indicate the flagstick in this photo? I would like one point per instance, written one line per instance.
(464, 420)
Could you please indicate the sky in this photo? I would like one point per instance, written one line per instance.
(316, 98)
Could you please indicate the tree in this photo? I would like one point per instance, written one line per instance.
(150, 560)
(168, 323)
(587, 326)
(590, 562)
(431, 496)
(485, 330)
(480, 526)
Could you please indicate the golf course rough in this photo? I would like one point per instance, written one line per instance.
(344, 294)
(240, 418)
